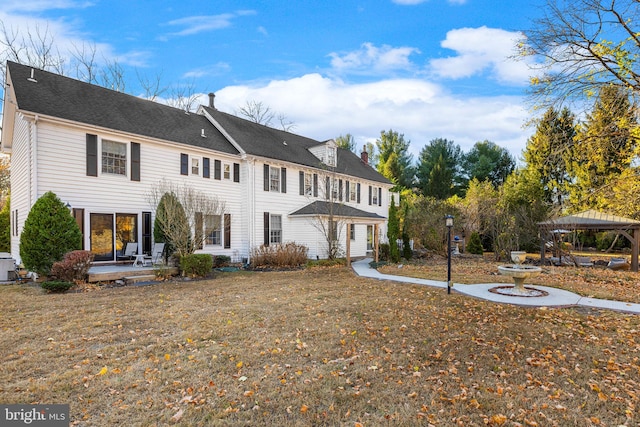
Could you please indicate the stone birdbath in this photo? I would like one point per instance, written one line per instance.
(519, 272)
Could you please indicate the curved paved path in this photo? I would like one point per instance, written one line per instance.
(555, 298)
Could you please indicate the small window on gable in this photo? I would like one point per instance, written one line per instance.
(195, 166)
(227, 171)
(114, 157)
(331, 156)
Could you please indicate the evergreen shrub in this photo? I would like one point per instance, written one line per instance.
(56, 286)
(49, 233)
(475, 244)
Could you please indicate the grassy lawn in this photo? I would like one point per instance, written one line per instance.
(314, 347)
(595, 282)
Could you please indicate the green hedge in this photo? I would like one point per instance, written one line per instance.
(196, 265)
(56, 286)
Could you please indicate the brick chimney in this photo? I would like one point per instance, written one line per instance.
(364, 156)
(212, 96)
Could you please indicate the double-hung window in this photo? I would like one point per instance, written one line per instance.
(195, 166)
(352, 191)
(374, 196)
(213, 230)
(308, 184)
(227, 171)
(114, 157)
(274, 179)
(275, 229)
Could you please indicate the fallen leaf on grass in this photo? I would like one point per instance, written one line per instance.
(177, 416)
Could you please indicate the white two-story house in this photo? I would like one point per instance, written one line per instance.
(102, 152)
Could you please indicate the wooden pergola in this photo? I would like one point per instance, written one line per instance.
(594, 221)
(349, 216)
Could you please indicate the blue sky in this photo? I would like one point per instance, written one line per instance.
(427, 69)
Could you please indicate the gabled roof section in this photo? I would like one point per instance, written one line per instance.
(50, 94)
(263, 141)
(325, 208)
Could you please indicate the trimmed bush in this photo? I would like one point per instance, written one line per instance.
(196, 265)
(49, 232)
(56, 286)
(73, 267)
(384, 249)
(221, 261)
(288, 255)
(475, 244)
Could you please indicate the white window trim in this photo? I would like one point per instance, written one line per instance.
(127, 158)
(226, 171)
(191, 160)
(272, 181)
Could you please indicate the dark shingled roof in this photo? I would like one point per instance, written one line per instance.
(58, 96)
(325, 208)
(263, 141)
(591, 219)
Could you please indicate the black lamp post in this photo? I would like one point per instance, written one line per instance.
(448, 221)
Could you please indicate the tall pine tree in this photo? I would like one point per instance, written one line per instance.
(394, 160)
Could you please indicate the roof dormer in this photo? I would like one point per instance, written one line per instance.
(327, 153)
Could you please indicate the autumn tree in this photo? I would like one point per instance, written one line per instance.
(582, 46)
(426, 222)
(549, 151)
(347, 142)
(181, 212)
(5, 226)
(394, 160)
(439, 172)
(258, 112)
(605, 147)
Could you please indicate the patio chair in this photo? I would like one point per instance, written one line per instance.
(156, 255)
(130, 251)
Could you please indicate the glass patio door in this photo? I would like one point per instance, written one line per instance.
(110, 233)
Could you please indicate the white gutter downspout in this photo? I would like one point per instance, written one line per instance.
(35, 159)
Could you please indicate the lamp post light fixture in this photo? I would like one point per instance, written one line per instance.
(448, 221)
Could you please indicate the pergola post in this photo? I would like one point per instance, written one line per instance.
(634, 249)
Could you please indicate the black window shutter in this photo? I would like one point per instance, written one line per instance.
(217, 169)
(184, 164)
(370, 193)
(301, 183)
(346, 191)
(283, 180)
(327, 188)
(315, 185)
(340, 189)
(266, 177)
(227, 231)
(266, 228)
(358, 193)
(92, 155)
(206, 168)
(379, 196)
(236, 172)
(135, 161)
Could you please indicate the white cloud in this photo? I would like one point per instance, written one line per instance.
(372, 59)
(41, 5)
(198, 24)
(212, 70)
(480, 49)
(323, 108)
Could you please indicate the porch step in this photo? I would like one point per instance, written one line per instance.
(130, 280)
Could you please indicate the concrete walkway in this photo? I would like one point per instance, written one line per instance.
(555, 298)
